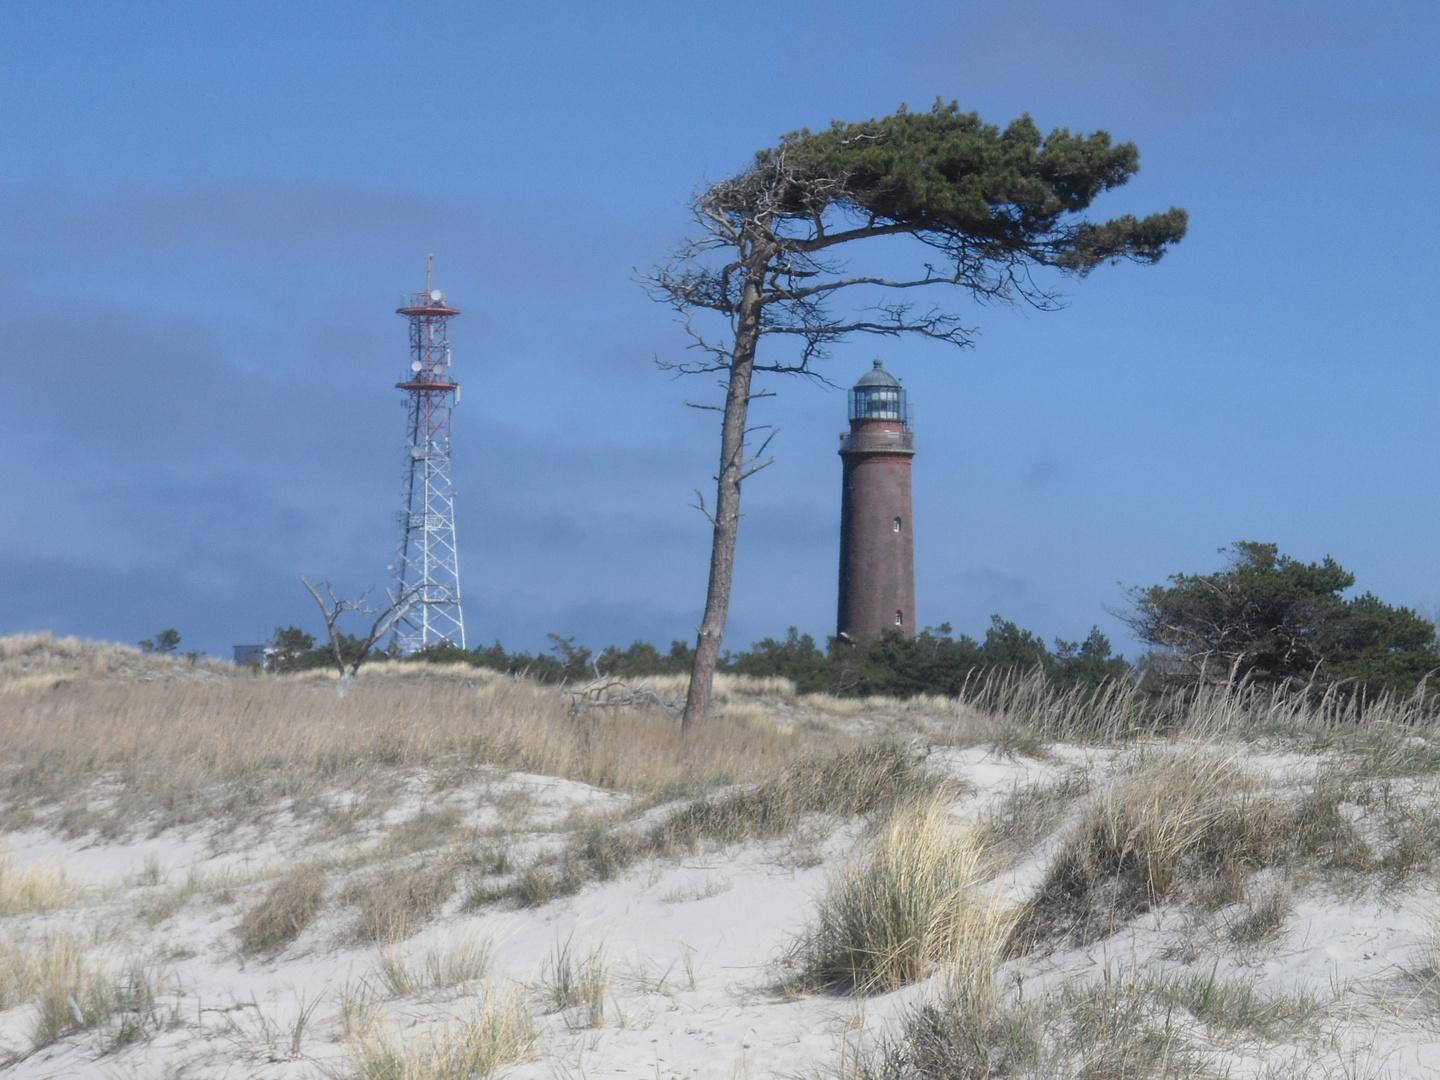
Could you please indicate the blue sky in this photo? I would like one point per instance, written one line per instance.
(208, 213)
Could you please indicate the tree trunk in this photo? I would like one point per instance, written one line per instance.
(727, 506)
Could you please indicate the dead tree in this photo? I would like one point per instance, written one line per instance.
(385, 620)
(987, 207)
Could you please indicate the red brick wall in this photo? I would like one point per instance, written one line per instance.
(877, 564)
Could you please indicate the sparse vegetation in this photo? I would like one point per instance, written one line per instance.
(441, 967)
(288, 907)
(859, 779)
(1102, 802)
(72, 991)
(397, 902)
(1186, 822)
(1234, 1004)
(499, 1032)
(1262, 915)
(1108, 1028)
(39, 888)
(570, 981)
(425, 830)
(1030, 812)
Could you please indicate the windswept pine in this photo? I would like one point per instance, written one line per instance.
(988, 212)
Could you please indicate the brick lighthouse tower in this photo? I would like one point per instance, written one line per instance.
(877, 552)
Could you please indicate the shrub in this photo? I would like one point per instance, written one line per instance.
(1268, 618)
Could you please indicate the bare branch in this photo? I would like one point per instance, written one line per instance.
(773, 432)
(745, 475)
(700, 505)
(385, 620)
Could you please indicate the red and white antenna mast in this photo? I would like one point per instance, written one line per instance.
(427, 563)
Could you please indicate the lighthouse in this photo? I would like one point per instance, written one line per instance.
(877, 550)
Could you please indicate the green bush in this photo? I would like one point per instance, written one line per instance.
(1269, 619)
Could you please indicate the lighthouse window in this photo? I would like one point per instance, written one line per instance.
(895, 526)
(899, 618)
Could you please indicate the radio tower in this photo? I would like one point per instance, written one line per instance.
(427, 562)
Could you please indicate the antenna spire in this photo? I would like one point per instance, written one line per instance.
(429, 257)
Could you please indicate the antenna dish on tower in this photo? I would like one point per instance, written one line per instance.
(436, 295)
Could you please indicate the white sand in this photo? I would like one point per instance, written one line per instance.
(725, 918)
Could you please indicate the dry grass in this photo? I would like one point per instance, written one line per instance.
(728, 689)
(71, 991)
(908, 905)
(427, 829)
(34, 663)
(442, 967)
(397, 902)
(1029, 812)
(1116, 1028)
(181, 743)
(25, 970)
(288, 907)
(1181, 822)
(500, 1032)
(1397, 735)
(569, 981)
(863, 778)
(1262, 915)
(39, 888)
(182, 751)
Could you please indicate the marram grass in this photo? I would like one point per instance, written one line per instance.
(909, 905)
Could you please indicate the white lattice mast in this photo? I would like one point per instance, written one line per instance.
(427, 563)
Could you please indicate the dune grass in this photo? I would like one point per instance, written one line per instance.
(1234, 1004)
(570, 981)
(854, 778)
(72, 990)
(1124, 1026)
(908, 905)
(37, 889)
(1108, 1029)
(499, 1032)
(288, 907)
(396, 902)
(231, 747)
(1178, 822)
(440, 967)
(37, 663)
(185, 742)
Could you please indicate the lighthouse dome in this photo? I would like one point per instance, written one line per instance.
(877, 376)
(877, 395)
